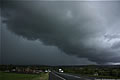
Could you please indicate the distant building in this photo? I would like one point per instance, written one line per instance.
(7, 70)
(96, 74)
(13, 70)
(46, 71)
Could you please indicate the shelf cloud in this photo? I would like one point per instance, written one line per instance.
(84, 29)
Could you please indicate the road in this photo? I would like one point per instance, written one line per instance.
(63, 76)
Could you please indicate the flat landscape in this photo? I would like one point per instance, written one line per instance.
(37, 72)
(18, 76)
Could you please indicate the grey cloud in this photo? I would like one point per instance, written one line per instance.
(113, 36)
(116, 45)
(70, 26)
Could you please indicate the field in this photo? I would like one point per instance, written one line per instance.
(16, 76)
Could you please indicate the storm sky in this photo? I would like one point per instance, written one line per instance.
(60, 32)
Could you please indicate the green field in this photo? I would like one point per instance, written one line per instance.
(16, 76)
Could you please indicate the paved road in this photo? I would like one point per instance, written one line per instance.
(63, 76)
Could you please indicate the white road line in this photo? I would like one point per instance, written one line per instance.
(69, 75)
(59, 76)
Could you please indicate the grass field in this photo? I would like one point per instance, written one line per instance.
(16, 76)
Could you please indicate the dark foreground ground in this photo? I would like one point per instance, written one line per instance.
(21, 76)
(45, 76)
(64, 76)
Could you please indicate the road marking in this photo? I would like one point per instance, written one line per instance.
(59, 76)
(69, 75)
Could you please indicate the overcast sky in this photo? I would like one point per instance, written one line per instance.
(60, 32)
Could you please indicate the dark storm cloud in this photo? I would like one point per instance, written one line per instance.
(17, 50)
(0, 35)
(77, 28)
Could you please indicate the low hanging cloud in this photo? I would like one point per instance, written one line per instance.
(77, 28)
